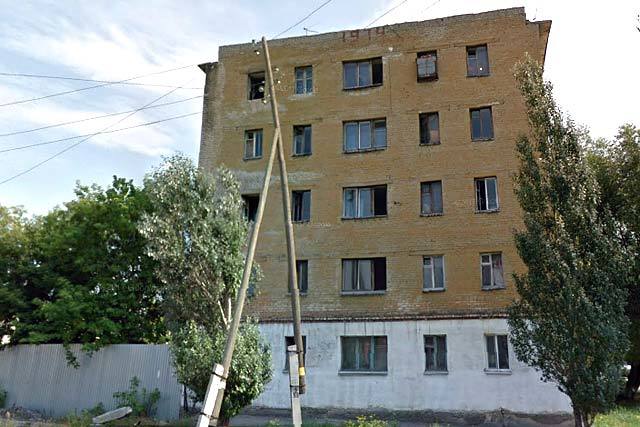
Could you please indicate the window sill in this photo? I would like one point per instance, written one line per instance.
(428, 79)
(488, 211)
(246, 159)
(429, 290)
(481, 139)
(365, 373)
(436, 372)
(256, 99)
(359, 293)
(427, 215)
(364, 150)
(493, 288)
(478, 75)
(364, 218)
(429, 144)
(304, 221)
(361, 87)
(303, 95)
(302, 294)
(497, 371)
(301, 155)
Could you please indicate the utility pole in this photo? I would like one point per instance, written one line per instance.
(217, 383)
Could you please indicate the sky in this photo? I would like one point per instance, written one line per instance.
(592, 60)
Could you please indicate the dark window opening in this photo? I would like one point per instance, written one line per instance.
(364, 274)
(481, 124)
(365, 73)
(431, 197)
(302, 140)
(435, 351)
(302, 272)
(429, 128)
(289, 341)
(256, 85)
(427, 64)
(487, 194)
(251, 202)
(364, 202)
(477, 61)
(497, 352)
(364, 353)
(301, 206)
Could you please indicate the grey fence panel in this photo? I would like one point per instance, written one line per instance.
(38, 377)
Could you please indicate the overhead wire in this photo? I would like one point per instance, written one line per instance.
(38, 144)
(20, 132)
(303, 19)
(23, 101)
(80, 79)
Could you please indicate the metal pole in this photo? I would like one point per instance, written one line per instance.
(286, 207)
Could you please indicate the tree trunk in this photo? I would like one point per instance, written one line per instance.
(633, 381)
(581, 418)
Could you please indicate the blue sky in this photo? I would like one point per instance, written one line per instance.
(592, 61)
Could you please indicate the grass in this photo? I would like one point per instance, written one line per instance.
(623, 416)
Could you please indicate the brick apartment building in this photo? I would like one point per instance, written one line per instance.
(400, 145)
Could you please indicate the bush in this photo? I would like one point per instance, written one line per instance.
(142, 404)
(368, 421)
(3, 397)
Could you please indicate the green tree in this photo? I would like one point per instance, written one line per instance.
(197, 234)
(86, 278)
(617, 169)
(569, 322)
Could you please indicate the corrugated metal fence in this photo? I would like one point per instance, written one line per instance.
(38, 377)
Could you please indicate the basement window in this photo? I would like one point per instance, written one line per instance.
(301, 206)
(365, 135)
(477, 61)
(492, 271)
(487, 194)
(364, 354)
(256, 85)
(253, 144)
(251, 202)
(360, 74)
(429, 128)
(481, 124)
(364, 202)
(289, 341)
(364, 275)
(427, 65)
(497, 353)
(435, 352)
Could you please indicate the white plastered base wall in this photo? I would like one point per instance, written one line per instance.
(466, 386)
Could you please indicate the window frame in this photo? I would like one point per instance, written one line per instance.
(496, 348)
(437, 369)
(427, 214)
(246, 208)
(251, 84)
(254, 132)
(425, 130)
(493, 286)
(486, 192)
(305, 79)
(297, 128)
(358, 63)
(375, 263)
(372, 135)
(433, 288)
(299, 263)
(299, 195)
(475, 48)
(479, 110)
(428, 77)
(372, 355)
(357, 209)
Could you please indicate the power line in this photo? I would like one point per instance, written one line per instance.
(303, 19)
(37, 165)
(24, 147)
(97, 117)
(41, 76)
(93, 87)
(386, 13)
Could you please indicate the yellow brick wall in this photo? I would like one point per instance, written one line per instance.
(403, 237)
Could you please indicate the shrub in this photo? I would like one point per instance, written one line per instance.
(368, 421)
(143, 403)
(3, 397)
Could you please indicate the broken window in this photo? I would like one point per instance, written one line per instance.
(250, 206)
(431, 198)
(477, 61)
(429, 129)
(364, 275)
(427, 63)
(481, 124)
(362, 73)
(433, 272)
(497, 352)
(364, 202)
(435, 352)
(289, 341)
(364, 354)
(256, 85)
(304, 79)
(365, 135)
(302, 140)
(492, 271)
(253, 144)
(487, 194)
(301, 206)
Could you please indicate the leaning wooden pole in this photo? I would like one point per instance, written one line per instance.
(286, 207)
